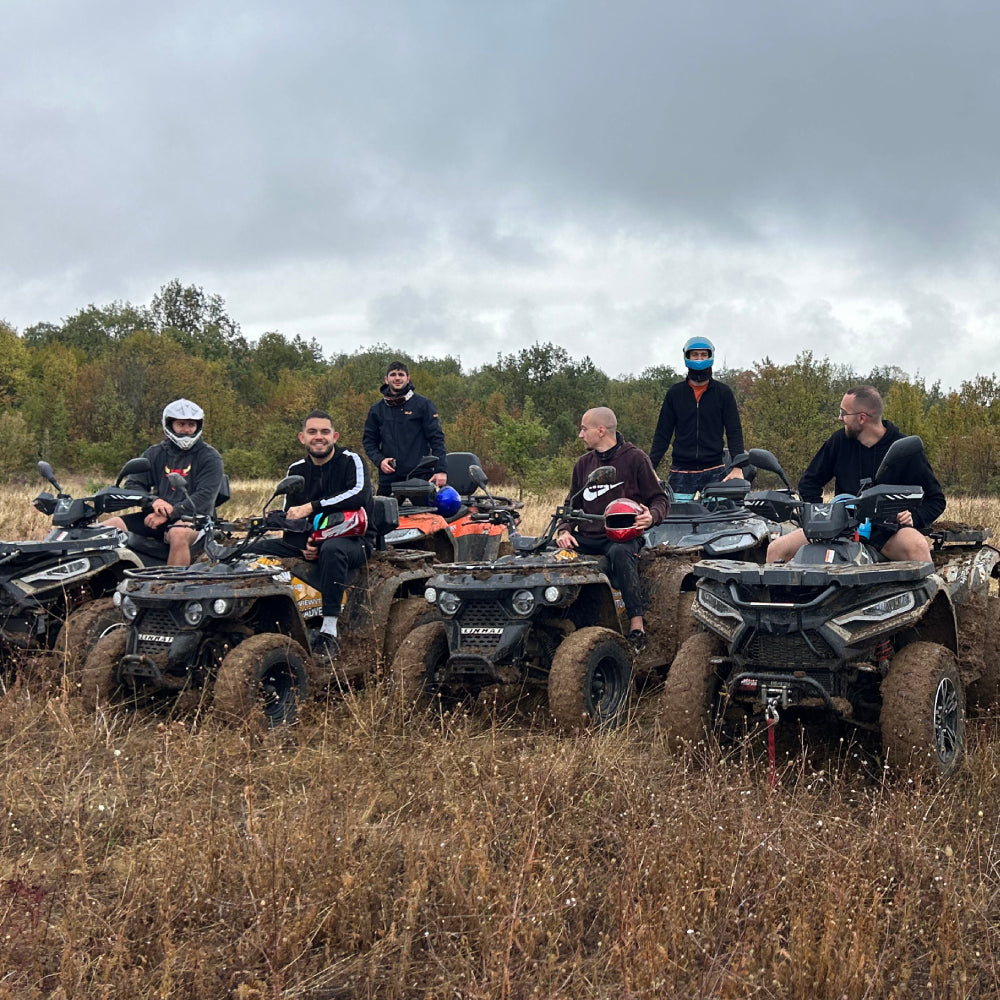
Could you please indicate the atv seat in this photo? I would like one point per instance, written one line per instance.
(458, 471)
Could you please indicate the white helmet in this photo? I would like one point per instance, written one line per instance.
(183, 409)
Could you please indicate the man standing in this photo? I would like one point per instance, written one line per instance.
(337, 497)
(637, 482)
(696, 413)
(182, 451)
(401, 429)
(853, 454)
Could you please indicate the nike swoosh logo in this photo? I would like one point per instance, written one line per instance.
(593, 492)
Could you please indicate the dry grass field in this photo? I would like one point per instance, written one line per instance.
(367, 852)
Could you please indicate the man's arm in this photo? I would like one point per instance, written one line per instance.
(733, 425)
(818, 474)
(207, 481)
(434, 436)
(934, 502)
(371, 438)
(652, 495)
(664, 432)
(355, 491)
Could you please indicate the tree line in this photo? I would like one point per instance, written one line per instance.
(87, 394)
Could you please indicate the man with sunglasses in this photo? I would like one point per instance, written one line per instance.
(853, 454)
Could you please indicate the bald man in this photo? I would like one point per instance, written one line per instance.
(636, 481)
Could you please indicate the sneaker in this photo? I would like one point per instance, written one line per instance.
(325, 646)
(637, 640)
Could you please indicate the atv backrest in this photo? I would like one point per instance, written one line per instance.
(458, 471)
(386, 515)
(734, 490)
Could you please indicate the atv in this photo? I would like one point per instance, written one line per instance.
(892, 647)
(449, 532)
(714, 524)
(238, 628)
(54, 592)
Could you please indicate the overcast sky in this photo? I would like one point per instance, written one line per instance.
(470, 177)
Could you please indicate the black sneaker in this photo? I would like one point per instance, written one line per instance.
(325, 646)
(637, 640)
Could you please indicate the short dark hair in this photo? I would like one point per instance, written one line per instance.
(317, 415)
(397, 366)
(869, 399)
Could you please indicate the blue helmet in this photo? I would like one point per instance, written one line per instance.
(447, 501)
(699, 344)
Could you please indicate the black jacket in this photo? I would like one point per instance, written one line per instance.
(200, 465)
(637, 482)
(406, 432)
(847, 462)
(342, 483)
(697, 427)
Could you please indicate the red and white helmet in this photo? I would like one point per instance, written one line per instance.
(619, 520)
(339, 524)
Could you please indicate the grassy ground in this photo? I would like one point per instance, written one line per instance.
(368, 852)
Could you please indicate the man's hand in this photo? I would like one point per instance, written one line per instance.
(905, 519)
(439, 479)
(159, 515)
(388, 466)
(311, 551)
(645, 519)
(734, 473)
(566, 539)
(302, 510)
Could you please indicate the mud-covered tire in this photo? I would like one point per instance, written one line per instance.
(265, 673)
(590, 680)
(82, 629)
(404, 616)
(984, 691)
(99, 677)
(416, 661)
(923, 711)
(690, 691)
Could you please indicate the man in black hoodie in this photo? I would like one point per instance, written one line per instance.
(636, 481)
(401, 429)
(853, 454)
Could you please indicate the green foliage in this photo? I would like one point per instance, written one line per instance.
(245, 463)
(17, 446)
(518, 443)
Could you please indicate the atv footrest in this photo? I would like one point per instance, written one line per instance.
(143, 669)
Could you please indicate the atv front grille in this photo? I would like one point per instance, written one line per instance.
(481, 621)
(152, 622)
(798, 649)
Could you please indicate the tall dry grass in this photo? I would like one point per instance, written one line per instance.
(369, 852)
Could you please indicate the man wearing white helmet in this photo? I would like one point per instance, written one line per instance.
(696, 413)
(182, 451)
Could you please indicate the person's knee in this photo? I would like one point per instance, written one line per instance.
(785, 546)
(907, 543)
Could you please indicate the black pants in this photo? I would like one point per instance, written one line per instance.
(624, 559)
(339, 562)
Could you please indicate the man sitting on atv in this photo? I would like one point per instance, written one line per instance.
(638, 483)
(851, 457)
(184, 451)
(336, 504)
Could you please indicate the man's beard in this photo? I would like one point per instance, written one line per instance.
(321, 451)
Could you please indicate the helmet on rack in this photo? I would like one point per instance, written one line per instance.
(447, 501)
(619, 520)
(699, 344)
(339, 524)
(183, 409)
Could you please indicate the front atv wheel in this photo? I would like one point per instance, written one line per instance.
(419, 657)
(405, 615)
(99, 681)
(691, 690)
(590, 679)
(267, 670)
(923, 711)
(82, 629)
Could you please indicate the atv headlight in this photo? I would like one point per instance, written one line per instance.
(400, 535)
(128, 608)
(551, 595)
(523, 602)
(448, 602)
(730, 543)
(880, 610)
(194, 612)
(221, 606)
(716, 605)
(431, 595)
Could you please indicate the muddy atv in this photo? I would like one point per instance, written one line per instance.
(540, 618)
(891, 647)
(715, 524)
(235, 632)
(449, 537)
(55, 593)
